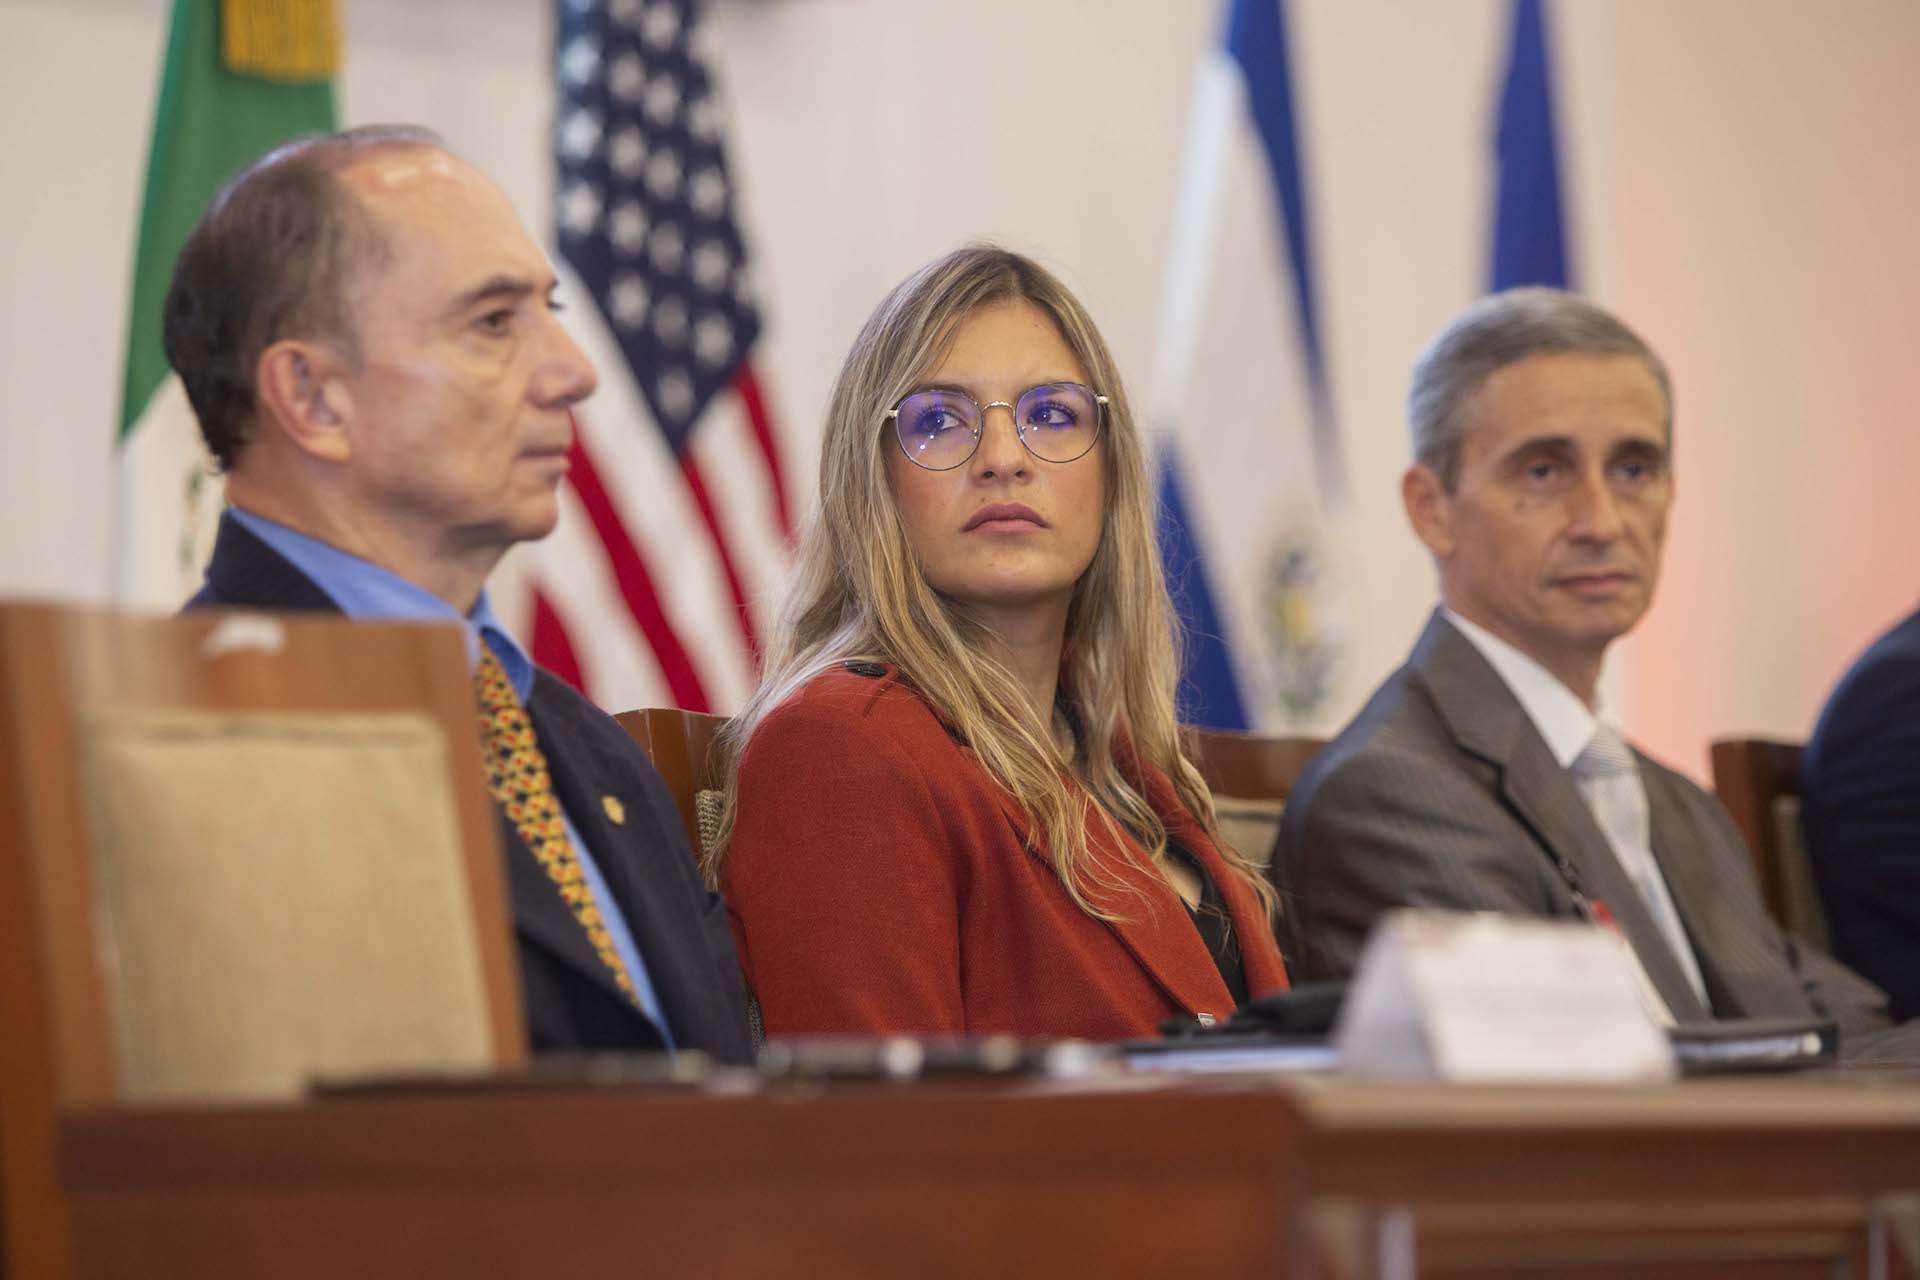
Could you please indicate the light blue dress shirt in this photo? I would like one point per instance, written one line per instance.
(365, 591)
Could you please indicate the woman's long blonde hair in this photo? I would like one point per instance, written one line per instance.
(858, 593)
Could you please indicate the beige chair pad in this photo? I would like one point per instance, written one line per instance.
(280, 897)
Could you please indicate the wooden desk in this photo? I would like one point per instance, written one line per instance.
(1219, 1178)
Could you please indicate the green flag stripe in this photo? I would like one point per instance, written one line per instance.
(210, 123)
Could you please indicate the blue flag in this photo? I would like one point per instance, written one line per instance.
(1529, 228)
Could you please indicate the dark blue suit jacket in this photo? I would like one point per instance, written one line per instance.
(1861, 777)
(679, 926)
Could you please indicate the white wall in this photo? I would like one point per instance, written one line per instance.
(1744, 189)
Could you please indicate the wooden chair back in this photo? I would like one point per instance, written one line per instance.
(1758, 780)
(1248, 765)
(680, 744)
(1250, 777)
(65, 671)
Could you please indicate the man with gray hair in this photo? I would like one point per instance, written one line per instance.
(1484, 774)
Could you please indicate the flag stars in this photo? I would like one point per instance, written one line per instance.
(579, 60)
(628, 226)
(663, 175)
(630, 300)
(661, 24)
(626, 78)
(670, 322)
(652, 232)
(713, 340)
(579, 208)
(712, 263)
(675, 393)
(668, 248)
(628, 153)
(703, 117)
(708, 192)
(580, 134)
(662, 101)
(700, 44)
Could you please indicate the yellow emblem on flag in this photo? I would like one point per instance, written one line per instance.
(295, 41)
(616, 811)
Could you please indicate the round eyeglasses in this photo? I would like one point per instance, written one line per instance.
(940, 428)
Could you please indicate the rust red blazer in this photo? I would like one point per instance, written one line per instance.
(878, 882)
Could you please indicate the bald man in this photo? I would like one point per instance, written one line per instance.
(366, 333)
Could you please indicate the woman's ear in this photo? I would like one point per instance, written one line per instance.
(302, 392)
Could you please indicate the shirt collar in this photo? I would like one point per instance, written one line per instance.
(1563, 720)
(369, 593)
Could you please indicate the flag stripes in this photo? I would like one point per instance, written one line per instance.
(636, 583)
(697, 490)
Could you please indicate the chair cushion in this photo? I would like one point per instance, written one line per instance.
(281, 897)
(707, 806)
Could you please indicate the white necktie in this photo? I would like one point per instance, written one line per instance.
(1609, 779)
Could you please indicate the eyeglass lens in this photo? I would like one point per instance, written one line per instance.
(939, 430)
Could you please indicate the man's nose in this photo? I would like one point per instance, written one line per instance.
(1596, 509)
(566, 375)
(1001, 453)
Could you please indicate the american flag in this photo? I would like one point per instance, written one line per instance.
(674, 516)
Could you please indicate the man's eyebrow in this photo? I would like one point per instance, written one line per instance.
(1534, 446)
(1538, 444)
(500, 288)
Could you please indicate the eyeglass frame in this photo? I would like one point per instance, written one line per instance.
(893, 416)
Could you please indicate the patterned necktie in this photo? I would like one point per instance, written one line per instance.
(1609, 779)
(517, 777)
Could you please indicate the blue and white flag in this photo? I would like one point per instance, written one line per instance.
(1529, 229)
(1252, 474)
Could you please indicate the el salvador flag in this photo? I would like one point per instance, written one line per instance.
(1251, 472)
(1529, 229)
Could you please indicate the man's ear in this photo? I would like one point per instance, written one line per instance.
(301, 389)
(1429, 508)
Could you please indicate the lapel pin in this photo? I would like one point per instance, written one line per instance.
(616, 812)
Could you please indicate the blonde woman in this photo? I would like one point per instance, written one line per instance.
(957, 802)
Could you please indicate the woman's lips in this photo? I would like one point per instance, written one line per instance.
(1003, 517)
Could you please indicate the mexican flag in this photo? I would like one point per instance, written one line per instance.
(240, 76)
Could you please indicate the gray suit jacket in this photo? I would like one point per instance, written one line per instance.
(1441, 793)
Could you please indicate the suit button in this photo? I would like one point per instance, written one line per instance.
(871, 670)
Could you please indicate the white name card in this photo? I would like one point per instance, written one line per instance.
(1454, 996)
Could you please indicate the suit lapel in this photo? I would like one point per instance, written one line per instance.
(1684, 854)
(1154, 925)
(1147, 916)
(1252, 928)
(1487, 721)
